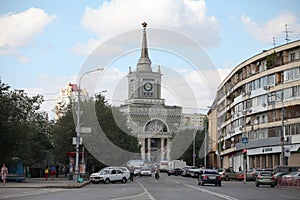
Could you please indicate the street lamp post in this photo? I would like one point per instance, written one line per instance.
(245, 143)
(194, 147)
(282, 134)
(78, 123)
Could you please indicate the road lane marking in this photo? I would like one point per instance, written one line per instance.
(147, 192)
(131, 197)
(212, 193)
(30, 193)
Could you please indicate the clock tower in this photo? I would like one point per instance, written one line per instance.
(144, 83)
(150, 120)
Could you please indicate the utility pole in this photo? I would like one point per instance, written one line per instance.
(78, 123)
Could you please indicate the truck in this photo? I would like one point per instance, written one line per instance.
(176, 164)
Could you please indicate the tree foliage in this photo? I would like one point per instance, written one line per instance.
(64, 129)
(23, 128)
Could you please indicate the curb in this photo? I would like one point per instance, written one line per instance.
(70, 186)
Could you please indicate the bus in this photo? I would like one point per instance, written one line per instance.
(285, 168)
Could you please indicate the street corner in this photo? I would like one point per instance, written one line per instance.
(78, 185)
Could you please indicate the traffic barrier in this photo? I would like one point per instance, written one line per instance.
(288, 182)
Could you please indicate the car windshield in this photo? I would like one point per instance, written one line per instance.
(210, 172)
(104, 172)
(145, 169)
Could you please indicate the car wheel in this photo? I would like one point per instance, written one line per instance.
(272, 186)
(202, 184)
(216, 184)
(107, 181)
(220, 184)
(169, 174)
(257, 185)
(124, 180)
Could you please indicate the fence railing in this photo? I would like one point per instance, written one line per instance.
(288, 182)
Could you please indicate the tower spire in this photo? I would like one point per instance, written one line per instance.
(144, 63)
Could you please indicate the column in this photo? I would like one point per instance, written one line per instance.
(162, 149)
(149, 149)
(143, 148)
(168, 150)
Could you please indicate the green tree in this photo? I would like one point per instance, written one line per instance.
(23, 128)
(63, 130)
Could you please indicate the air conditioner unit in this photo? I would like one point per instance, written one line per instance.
(258, 63)
(248, 93)
(264, 104)
(266, 87)
(244, 93)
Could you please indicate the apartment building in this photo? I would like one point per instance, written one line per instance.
(256, 112)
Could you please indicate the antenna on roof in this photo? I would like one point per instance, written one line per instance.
(287, 39)
(274, 42)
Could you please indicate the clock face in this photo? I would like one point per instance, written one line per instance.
(148, 86)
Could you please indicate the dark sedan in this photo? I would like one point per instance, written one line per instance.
(174, 171)
(210, 177)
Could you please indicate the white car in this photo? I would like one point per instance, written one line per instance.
(145, 171)
(110, 174)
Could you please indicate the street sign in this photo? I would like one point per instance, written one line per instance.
(74, 142)
(287, 152)
(244, 140)
(84, 129)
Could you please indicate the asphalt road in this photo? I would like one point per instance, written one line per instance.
(148, 188)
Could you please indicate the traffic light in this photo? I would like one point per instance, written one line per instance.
(244, 152)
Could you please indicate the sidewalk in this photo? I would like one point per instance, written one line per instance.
(42, 183)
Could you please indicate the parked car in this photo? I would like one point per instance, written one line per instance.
(145, 171)
(137, 171)
(264, 178)
(174, 171)
(210, 177)
(227, 174)
(110, 174)
(251, 174)
(240, 176)
(194, 172)
(185, 170)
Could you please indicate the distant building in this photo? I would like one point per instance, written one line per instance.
(153, 122)
(257, 111)
(193, 120)
(65, 97)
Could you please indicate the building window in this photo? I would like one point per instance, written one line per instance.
(292, 56)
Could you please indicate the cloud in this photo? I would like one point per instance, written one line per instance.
(188, 17)
(23, 59)
(20, 29)
(273, 28)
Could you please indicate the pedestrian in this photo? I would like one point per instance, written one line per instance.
(57, 170)
(131, 173)
(4, 173)
(52, 171)
(46, 172)
(65, 170)
(240, 169)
